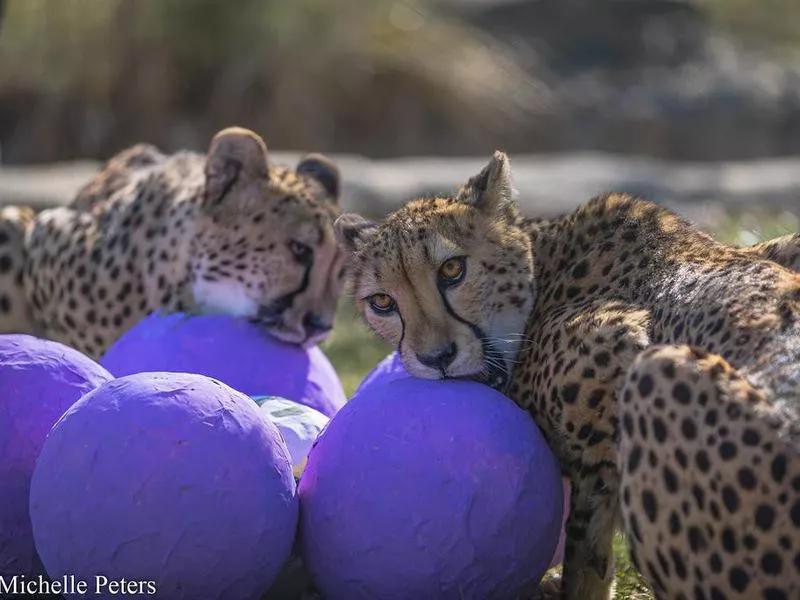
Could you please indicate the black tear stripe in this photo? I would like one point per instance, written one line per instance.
(286, 301)
(495, 372)
(402, 321)
(402, 333)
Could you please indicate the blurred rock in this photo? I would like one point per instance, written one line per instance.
(548, 185)
(652, 77)
(43, 186)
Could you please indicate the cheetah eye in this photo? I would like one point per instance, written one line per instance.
(382, 304)
(452, 271)
(301, 251)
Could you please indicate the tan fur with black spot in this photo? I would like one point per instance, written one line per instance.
(15, 316)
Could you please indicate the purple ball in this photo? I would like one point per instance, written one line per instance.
(235, 351)
(389, 369)
(39, 380)
(429, 489)
(172, 478)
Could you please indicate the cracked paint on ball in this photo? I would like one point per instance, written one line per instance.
(422, 489)
(233, 350)
(168, 477)
(39, 380)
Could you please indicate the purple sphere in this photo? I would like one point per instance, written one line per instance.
(235, 351)
(429, 489)
(389, 369)
(173, 478)
(39, 380)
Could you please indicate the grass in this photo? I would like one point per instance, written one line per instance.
(768, 23)
(354, 350)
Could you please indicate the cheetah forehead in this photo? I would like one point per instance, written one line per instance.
(430, 221)
(440, 248)
(401, 253)
(424, 231)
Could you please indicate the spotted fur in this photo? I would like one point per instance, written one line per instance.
(662, 366)
(14, 309)
(222, 232)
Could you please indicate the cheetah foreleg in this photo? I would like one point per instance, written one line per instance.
(589, 559)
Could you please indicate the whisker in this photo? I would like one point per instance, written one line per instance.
(510, 338)
(495, 341)
(499, 362)
(508, 351)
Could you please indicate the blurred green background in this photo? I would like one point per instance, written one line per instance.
(679, 79)
(693, 82)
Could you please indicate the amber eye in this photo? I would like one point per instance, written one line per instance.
(301, 251)
(381, 303)
(452, 270)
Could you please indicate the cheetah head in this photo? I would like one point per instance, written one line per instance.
(448, 281)
(264, 246)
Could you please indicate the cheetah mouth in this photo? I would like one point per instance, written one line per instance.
(275, 327)
(492, 375)
(495, 370)
(266, 322)
(496, 380)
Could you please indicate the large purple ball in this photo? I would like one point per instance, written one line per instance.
(173, 478)
(39, 380)
(389, 369)
(230, 349)
(429, 489)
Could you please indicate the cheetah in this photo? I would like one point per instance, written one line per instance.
(662, 367)
(222, 232)
(14, 222)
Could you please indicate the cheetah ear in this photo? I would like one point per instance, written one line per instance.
(492, 190)
(322, 169)
(353, 231)
(235, 155)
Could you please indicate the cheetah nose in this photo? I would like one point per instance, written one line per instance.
(440, 359)
(314, 324)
